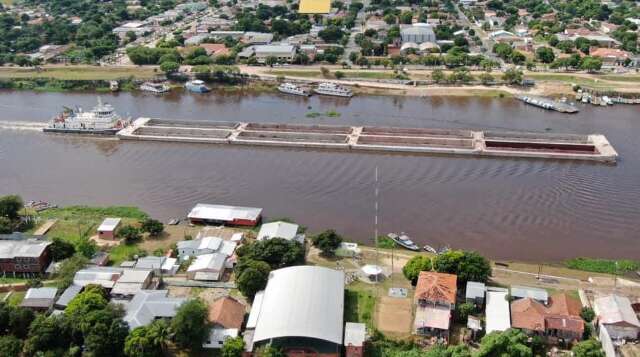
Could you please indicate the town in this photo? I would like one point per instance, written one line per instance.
(505, 47)
(226, 281)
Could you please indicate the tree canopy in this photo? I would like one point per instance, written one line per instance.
(511, 343)
(233, 347)
(414, 266)
(468, 266)
(189, 326)
(588, 348)
(327, 241)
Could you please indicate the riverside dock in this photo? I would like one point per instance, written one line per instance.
(593, 147)
(549, 104)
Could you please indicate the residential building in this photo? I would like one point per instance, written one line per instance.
(131, 282)
(28, 256)
(220, 214)
(108, 227)
(474, 293)
(137, 27)
(149, 305)
(418, 33)
(521, 292)
(215, 49)
(435, 299)
(301, 309)
(19, 236)
(39, 299)
(103, 276)
(69, 293)
(257, 38)
(283, 53)
(558, 322)
(280, 229)
(611, 56)
(196, 247)
(355, 335)
(209, 267)
(497, 310)
(226, 316)
(614, 312)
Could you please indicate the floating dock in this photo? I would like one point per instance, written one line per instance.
(381, 139)
(549, 104)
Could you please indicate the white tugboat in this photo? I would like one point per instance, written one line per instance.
(334, 90)
(101, 120)
(290, 88)
(156, 88)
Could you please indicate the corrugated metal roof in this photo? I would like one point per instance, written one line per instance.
(314, 6)
(474, 290)
(213, 261)
(148, 305)
(498, 317)
(529, 292)
(615, 309)
(256, 306)
(302, 301)
(68, 295)
(224, 213)
(41, 293)
(29, 248)
(354, 334)
(109, 224)
(278, 229)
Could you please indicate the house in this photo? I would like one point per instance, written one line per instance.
(226, 316)
(28, 256)
(159, 265)
(215, 49)
(497, 310)
(257, 38)
(136, 27)
(69, 293)
(149, 305)
(103, 276)
(301, 310)
(467, 3)
(521, 292)
(504, 36)
(280, 229)
(196, 247)
(131, 282)
(474, 293)
(108, 227)
(418, 33)
(611, 56)
(614, 312)
(355, 335)
(220, 214)
(207, 267)
(99, 259)
(558, 322)
(39, 299)
(435, 297)
(283, 53)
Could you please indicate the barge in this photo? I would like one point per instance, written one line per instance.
(593, 147)
(548, 104)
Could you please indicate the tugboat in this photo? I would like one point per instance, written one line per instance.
(334, 90)
(404, 241)
(197, 86)
(290, 88)
(156, 88)
(101, 120)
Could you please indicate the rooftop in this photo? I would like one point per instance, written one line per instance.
(615, 309)
(278, 229)
(314, 7)
(147, 305)
(520, 292)
(355, 334)
(227, 312)
(475, 290)
(29, 248)
(109, 224)
(224, 213)
(433, 286)
(497, 311)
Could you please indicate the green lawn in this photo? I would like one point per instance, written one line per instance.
(359, 305)
(80, 72)
(123, 252)
(16, 298)
(347, 74)
(11, 280)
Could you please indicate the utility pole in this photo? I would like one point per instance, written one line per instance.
(375, 233)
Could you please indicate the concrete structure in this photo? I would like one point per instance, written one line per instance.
(149, 305)
(474, 293)
(108, 227)
(220, 214)
(614, 312)
(208, 267)
(280, 229)
(39, 299)
(355, 335)
(226, 316)
(131, 282)
(418, 33)
(497, 313)
(435, 299)
(521, 292)
(283, 53)
(593, 147)
(29, 256)
(301, 309)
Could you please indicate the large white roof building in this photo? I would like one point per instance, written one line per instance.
(280, 229)
(497, 311)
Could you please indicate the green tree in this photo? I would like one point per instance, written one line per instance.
(68, 269)
(468, 266)
(270, 61)
(406, 17)
(463, 311)
(276, 252)
(153, 227)
(15, 320)
(512, 343)
(148, 341)
(331, 34)
(588, 348)
(271, 351)
(587, 314)
(591, 64)
(517, 57)
(437, 75)
(50, 333)
(414, 266)
(169, 67)
(233, 347)
(10, 206)
(10, 346)
(502, 50)
(252, 276)
(486, 78)
(88, 301)
(61, 249)
(545, 54)
(6, 225)
(189, 326)
(130, 234)
(327, 241)
(512, 76)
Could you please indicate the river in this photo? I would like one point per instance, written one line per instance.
(505, 208)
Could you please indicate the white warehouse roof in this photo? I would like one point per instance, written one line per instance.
(302, 301)
(224, 213)
(278, 229)
(497, 311)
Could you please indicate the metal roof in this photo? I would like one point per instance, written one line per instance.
(150, 262)
(29, 248)
(615, 309)
(224, 213)
(302, 301)
(68, 295)
(213, 261)
(475, 290)
(103, 276)
(354, 334)
(109, 224)
(284, 49)
(147, 305)
(134, 276)
(41, 293)
(529, 292)
(498, 317)
(278, 229)
(256, 307)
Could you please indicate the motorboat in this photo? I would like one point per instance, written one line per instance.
(404, 241)
(290, 88)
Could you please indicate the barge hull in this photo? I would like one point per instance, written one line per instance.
(81, 131)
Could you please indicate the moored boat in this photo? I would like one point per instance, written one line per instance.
(430, 249)
(404, 241)
(197, 86)
(101, 120)
(156, 88)
(290, 88)
(333, 89)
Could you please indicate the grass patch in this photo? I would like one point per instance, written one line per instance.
(80, 72)
(16, 298)
(10, 280)
(347, 74)
(124, 252)
(359, 306)
(386, 242)
(328, 114)
(621, 78)
(603, 265)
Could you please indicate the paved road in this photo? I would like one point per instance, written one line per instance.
(487, 42)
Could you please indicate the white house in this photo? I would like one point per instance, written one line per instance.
(207, 267)
(280, 229)
(615, 313)
(498, 314)
(196, 247)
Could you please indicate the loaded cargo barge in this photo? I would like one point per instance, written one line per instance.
(548, 104)
(593, 147)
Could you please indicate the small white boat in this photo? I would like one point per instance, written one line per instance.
(197, 86)
(444, 249)
(290, 88)
(156, 88)
(404, 241)
(333, 89)
(430, 249)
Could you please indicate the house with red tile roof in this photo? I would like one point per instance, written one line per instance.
(559, 321)
(610, 56)
(435, 299)
(226, 316)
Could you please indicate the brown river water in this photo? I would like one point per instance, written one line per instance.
(505, 208)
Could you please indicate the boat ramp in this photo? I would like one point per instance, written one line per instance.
(593, 147)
